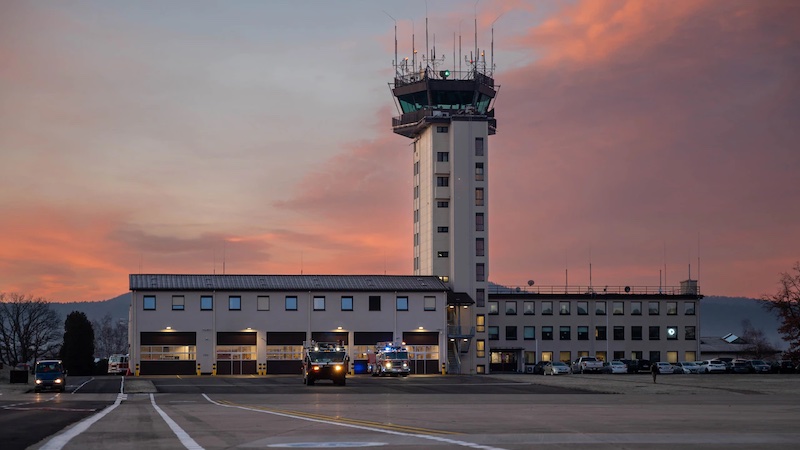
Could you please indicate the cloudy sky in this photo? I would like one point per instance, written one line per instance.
(168, 137)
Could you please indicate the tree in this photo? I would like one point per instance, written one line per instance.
(110, 337)
(77, 351)
(757, 345)
(787, 304)
(29, 329)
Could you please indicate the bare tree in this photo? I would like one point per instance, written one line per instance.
(29, 328)
(787, 303)
(110, 337)
(757, 345)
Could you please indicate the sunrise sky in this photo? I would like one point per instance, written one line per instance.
(164, 137)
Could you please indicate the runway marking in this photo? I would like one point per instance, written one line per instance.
(182, 436)
(60, 440)
(354, 424)
(82, 385)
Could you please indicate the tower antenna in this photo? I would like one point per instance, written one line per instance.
(476, 35)
(395, 41)
(427, 47)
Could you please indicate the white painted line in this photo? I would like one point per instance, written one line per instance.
(82, 385)
(122, 385)
(60, 440)
(362, 427)
(185, 439)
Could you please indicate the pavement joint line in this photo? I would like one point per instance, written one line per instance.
(350, 421)
(182, 436)
(361, 427)
(58, 441)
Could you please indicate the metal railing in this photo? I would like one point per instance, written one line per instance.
(457, 331)
(596, 290)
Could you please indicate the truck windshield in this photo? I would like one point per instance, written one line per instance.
(397, 355)
(324, 357)
(48, 367)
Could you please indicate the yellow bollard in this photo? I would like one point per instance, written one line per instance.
(137, 369)
(214, 369)
(198, 369)
(444, 369)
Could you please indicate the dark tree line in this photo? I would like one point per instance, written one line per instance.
(786, 302)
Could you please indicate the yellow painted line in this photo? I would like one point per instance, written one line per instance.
(385, 426)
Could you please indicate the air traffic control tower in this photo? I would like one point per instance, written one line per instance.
(449, 115)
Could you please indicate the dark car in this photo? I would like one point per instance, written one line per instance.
(783, 366)
(758, 366)
(631, 364)
(50, 374)
(538, 368)
(641, 365)
(740, 366)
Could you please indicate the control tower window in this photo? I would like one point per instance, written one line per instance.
(479, 146)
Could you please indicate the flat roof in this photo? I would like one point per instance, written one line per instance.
(404, 283)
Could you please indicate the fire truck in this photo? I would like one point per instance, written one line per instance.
(324, 361)
(118, 364)
(389, 358)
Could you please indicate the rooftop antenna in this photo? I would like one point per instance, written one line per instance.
(427, 47)
(665, 264)
(395, 41)
(476, 34)
(223, 256)
(301, 263)
(492, 47)
(698, 257)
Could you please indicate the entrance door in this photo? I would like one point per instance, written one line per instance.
(504, 361)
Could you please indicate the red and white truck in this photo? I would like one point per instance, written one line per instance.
(389, 358)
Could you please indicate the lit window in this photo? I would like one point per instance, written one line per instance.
(600, 333)
(672, 333)
(528, 308)
(563, 308)
(478, 171)
(494, 308)
(478, 196)
(480, 323)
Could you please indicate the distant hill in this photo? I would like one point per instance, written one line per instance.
(722, 315)
(718, 315)
(117, 307)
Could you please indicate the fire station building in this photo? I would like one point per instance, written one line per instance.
(244, 324)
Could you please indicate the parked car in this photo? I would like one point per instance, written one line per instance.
(783, 366)
(740, 366)
(556, 368)
(615, 366)
(641, 365)
(666, 368)
(538, 368)
(688, 367)
(587, 364)
(630, 364)
(713, 366)
(758, 366)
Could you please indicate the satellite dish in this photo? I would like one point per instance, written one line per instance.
(627, 289)
(530, 282)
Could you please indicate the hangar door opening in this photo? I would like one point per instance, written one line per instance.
(168, 353)
(236, 353)
(423, 351)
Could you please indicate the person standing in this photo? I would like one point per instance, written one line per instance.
(654, 370)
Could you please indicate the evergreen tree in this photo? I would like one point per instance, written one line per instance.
(77, 351)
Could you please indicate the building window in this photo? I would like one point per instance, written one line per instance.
(528, 308)
(672, 333)
(529, 333)
(374, 302)
(511, 333)
(480, 272)
(347, 303)
(494, 308)
(235, 303)
(563, 308)
(479, 225)
(600, 333)
(442, 181)
(655, 333)
(416, 215)
(619, 333)
(442, 229)
(442, 204)
(416, 263)
(178, 303)
(672, 308)
(480, 250)
(583, 308)
(690, 356)
(565, 357)
(262, 303)
(480, 298)
(442, 254)
(655, 356)
(290, 303)
(441, 129)
(600, 308)
(149, 302)
(478, 196)
(688, 308)
(479, 171)
(319, 303)
(617, 308)
(583, 333)
(636, 308)
(653, 308)
(430, 303)
(206, 303)
(480, 349)
(480, 323)
(494, 333)
(416, 167)
(442, 156)
(689, 336)
(636, 333)
(564, 333)
(402, 303)
(547, 308)
(479, 146)
(547, 333)
(416, 191)
(511, 308)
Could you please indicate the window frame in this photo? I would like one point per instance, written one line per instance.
(151, 299)
(203, 300)
(401, 303)
(318, 303)
(260, 300)
(234, 303)
(429, 303)
(343, 305)
(181, 302)
(287, 303)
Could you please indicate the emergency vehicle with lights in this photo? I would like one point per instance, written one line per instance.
(118, 364)
(388, 359)
(324, 361)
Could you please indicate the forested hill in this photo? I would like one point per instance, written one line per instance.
(117, 307)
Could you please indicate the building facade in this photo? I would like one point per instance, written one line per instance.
(238, 324)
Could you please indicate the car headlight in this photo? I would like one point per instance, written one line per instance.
(388, 365)
(337, 368)
(38, 381)
(316, 368)
(57, 381)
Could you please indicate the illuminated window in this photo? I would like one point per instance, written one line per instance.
(480, 323)
(563, 308)
(494, 308)
(528, 308)
(672, 308)
(600, 333)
